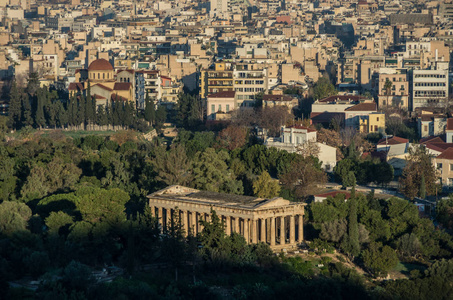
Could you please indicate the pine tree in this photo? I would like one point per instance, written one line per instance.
(15, 104)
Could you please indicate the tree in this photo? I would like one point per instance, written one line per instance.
(33, 83)
(41, 102)
(210, 172)
(352, 245)
(334, 230)
(100, 205)
(27, 118)
(303, 177)
(418, 166)
(213, 235)
(379, 259)
(444, 212)
(423, 187)
(323, 88)
(173, 166)
(13, 217)
(15, 104)
(232, 137)
(382, 173)
(409, 245)
(174, 245)
(388, 86)
(189, 111)
(344, 172)
(150, 110)
(161, 116)
(58, 220)
(266, 187)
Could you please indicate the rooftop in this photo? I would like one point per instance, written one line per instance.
(393, 141)
(184, 194)
(446, 154)
(227, 94)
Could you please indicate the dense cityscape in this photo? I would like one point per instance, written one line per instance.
(226, 149)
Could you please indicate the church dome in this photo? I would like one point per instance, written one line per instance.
(100, 65)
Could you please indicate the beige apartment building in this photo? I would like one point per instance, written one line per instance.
(444, 165)
(224, 102)
(398, 95)
(277, 222)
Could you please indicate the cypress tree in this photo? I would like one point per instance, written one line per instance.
(353, 228)
(150, 110)
(423, 187)
(101, 115)
(108, 114)
(26, 110)
(81, 112)
(39, 113)
(61, 114)
(15, 104)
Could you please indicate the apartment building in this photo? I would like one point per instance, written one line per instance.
(249, 80)
(224, 102)
(429, 88)
(398, 93)
(218, 79)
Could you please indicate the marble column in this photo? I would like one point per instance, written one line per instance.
(272, 225)
(263, 230)
(228, 225)
(236, 225)
(254, 231)
(282, 231)
(292, 230)
(193, 222)
(159, 215)
(301, 229)
(201, 216)
(184, 222)
(160, 219)
(168, 216)
(153, 210)
(246, 230)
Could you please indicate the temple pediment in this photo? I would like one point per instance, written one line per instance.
(274, 202)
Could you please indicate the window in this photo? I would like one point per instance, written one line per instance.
(450, 181)
(439, 165)
(377, 119)
(212, 108)
(451, 167)
(425, 128)
(375, 128)
(220, 107)
(227, 108)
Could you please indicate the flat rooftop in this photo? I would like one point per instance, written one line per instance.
(184, 194)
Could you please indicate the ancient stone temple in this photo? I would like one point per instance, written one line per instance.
(276, 221)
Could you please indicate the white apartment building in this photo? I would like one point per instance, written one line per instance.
(302, 140)
(247, 83)
(429, 87)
